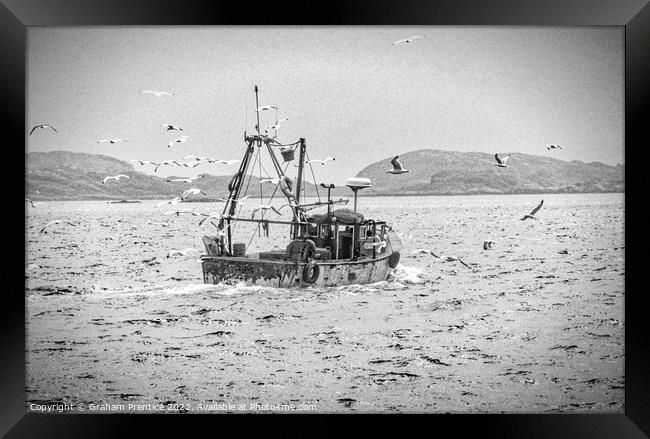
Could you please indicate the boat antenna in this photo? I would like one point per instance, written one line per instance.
(257, 111)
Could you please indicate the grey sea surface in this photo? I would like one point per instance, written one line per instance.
(535, 325)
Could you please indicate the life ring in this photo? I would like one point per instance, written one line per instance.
(393, 259)
(310, 273)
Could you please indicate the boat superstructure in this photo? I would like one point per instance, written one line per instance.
(332, 248)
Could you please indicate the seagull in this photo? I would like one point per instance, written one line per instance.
(181, 139)
(192, 191)
(322, 162)
(185, 252)
(113, 141)
(180, 212)
(275, 126)
(43, 126)
(197, 158)
(115, 177)
(166, 162)
(190, 165)
(56, 222)
(293, 204)
(185, 180)
(407, 40)
(239, 202)
(553, 146)
(265, 108)
(171, 127)
(210, 216)
(397, 167)
(221, 230)
(531, 215)
(501, 162)
(225, 162)
(444, 258)
(145, 162)
(173, 201)
(157, 93)
(265, 208)
(27, 200)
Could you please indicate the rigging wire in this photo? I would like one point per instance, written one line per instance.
(264, 212)
(313, 176)
(260, 177)
(238, 214)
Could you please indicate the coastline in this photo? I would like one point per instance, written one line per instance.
(390, 195)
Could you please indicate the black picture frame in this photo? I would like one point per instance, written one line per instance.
(634, 15)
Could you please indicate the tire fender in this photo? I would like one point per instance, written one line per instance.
(314, 270)
(311, 271)
(393, 259)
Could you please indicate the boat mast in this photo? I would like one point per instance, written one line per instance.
(301, 162)
(235, 189)
(257, 111)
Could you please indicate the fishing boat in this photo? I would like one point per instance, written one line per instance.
(337, 247)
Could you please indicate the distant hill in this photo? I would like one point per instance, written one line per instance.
(65, 175)
(435, 172)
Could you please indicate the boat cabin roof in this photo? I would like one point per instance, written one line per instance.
(341, 216)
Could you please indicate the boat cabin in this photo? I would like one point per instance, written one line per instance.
(345, 234)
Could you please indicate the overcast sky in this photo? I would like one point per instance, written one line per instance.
(347, 90)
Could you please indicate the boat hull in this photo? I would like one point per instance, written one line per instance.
(286, 274)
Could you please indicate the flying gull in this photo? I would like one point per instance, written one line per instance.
(113, 141)
(27, 200)
(197, 158)
(185, 180)
(265, 108)
(56, 222)
(531, 215)
(275, 126)
(181, 139)
(322, 162)
(192, 191)
(407, 40)
(210, 216)
(166, 162)
(145, 162)
(444, 258)
(265, 208)
(115, 177)
(224, 162)
(553, 146)
(221, 230)
(397, 167)
(239, 202)
(181, 212)
(173, 201)
(157, 93)
(185, 252)
(501, 162)
(270, 180)
(171, 127)
(42, 126)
